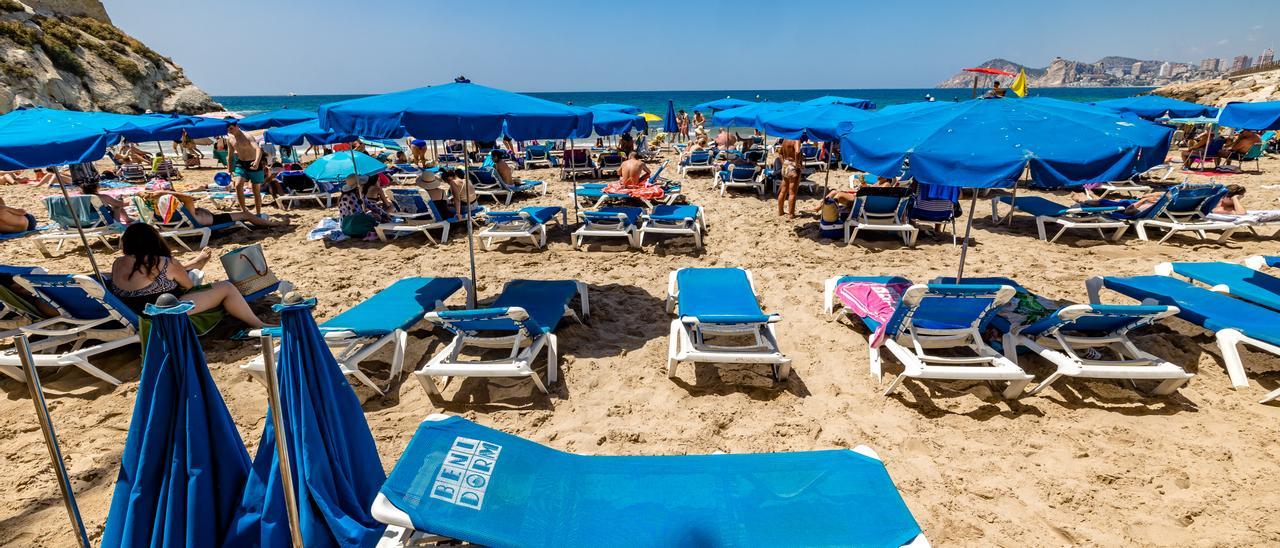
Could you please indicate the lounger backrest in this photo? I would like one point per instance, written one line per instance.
(484, 178)
(754, 155)
(809, 152)
(742, 174)
(941, 307)
(610, 159)
(1254, 152)
(88, 208)
(718, 295)
(1188, 202)
(700, 157)
(657, 174)
(410, 201)
(297, 182)
(577, 158)
(535, 153)
(79, 297)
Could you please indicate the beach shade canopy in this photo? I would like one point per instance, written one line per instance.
(196, 127)
(988, 143)
(275, 118)
(306, 132)
(910, 107)
(1259, 116)
(650, 117)
(336, 166)
(722, 104)
(989, 70)
(335, 464)
(615, 107)
(846, 101)
(465, 481)
(608, 122)
(184, 465)
(819, 123)
(42, 137)
(750, 115)
(669, 124)
(460, 110)
(1152, 107)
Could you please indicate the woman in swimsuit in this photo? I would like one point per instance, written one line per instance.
(789, 153)
(148, 270)
(206, 217)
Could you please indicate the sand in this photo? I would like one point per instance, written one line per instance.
(1084, 463)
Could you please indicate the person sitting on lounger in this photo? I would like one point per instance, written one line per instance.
(725, 140)
(464, 194)
(131, 154)
(1240, 145)
(626, 145)
(14, 220)
(148, 270)
(12, 178)
(846, 198)
(634, 180)
(117, 205)
(1197, 146)
(503, 169)
(209, 218)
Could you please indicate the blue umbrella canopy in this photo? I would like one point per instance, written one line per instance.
(460, 110)
(306, 132)
(1151, 107)
(608, 122)
(184, 464)
(196, 127)
(337, 166)
(820, 123)
(910, 107)
(615, 107)
(337, 471)
(846, 101)
(669, 122)
(750, 115)
(276, 118)
(1259, 116)
(988, 143)
(32, 138)
(722, 104)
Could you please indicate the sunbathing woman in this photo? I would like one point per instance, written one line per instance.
(206, 217)
(148, 270)
(1131, 207)
(12, 178)
(14, 220)
(789, 153)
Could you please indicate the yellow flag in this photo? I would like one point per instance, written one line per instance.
(1020, 84)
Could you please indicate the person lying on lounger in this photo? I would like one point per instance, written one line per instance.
(12, 178)
(726, 140)
(117, 205)
(14, 220)
(130, 153)
(1131, 207)
(206, 217)
(846, 198)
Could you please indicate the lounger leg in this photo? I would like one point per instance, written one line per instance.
(1043, 384)
(428, 384)
(1229, 344)
(673, 349)
(1142, 230)
(1172, 232)
(1119, 233)
(553, 361)
(697, 236)
(894, 385)
(1270, 396)
(1040, 229)
(1015, 389)
(1168, 387)
(85, 366)
(401, 342)
(874, 359)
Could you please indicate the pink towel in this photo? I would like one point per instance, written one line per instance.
(872, 300)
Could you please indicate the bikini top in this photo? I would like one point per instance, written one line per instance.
(162, 283)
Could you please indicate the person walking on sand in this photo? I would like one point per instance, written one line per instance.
(699, 122)
(789, 156)
(246, 164)
(682, 124)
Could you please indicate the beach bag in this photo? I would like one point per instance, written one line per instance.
(247, 269)
(358, 225)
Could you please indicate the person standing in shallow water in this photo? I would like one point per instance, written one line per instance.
(682, 124)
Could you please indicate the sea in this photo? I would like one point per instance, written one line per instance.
(656, 101)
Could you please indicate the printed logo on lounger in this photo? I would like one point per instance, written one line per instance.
(464, 475)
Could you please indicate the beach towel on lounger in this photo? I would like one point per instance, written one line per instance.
(873, 300)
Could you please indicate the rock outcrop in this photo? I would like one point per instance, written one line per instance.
(1259, 86)
(67, 54)
(1108, 71)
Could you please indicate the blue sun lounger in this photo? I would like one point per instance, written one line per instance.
(714, 303)
(487, 183)
(1067, 336)
(1067, 217)
(1236, 280)
(464, 481)
(1184, 207)
(1232, 321)
(938, 316)
(15, 310)
(95, 219)
(530, 222)
(386, 317)
(1259, 262)
(740, 176)
(90, 321)
(523, 319)
(683, 220)
(610, 222)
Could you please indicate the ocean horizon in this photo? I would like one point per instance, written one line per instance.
(656, 101)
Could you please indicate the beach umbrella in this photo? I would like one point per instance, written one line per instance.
(650, 117)
(615, 107)
(722, 104)
(990, 143)
(669, 123)
(275, 118)
(184, 464)
(1151, 107)
(305, 132)
(910, 107)
(750, 115)
(337, 166)
(846, 101)
(608, 122)
(333, 461)
(820, 123)
(977, 71)
(1257, 116)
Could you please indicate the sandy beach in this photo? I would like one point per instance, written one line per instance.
(1086, 462)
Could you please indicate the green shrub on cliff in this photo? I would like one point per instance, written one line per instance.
(113, 36)
(10, 5)
(16, 71)
(22, 34)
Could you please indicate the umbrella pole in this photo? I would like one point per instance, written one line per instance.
(23, 347)
(574, 196)
(471, 244)
(282, 441)
(75, 217)
(964, 248)
(160, 147)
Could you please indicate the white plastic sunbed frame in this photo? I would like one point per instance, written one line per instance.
(526, 227)
(755, 182)
(401, 534)
(415, 223)
(896, 221)
(350, 350)
(617, 227)
(524, 348)
(910, 345)
(687, 342)
(687, 227)
(1094, 222)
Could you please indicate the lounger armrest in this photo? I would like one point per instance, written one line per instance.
(731, 319)
(459, 320)
(1093, 209)
(506, 216)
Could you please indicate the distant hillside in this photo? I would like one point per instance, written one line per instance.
(68, 54)
(1248, 88)
(1106, 72)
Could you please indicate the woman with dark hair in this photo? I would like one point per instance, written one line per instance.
(147, 270)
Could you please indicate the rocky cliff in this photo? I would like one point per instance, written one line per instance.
(1259, 86)
(67, 54)
(1108, 71)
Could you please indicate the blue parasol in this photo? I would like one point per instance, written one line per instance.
(669, 121)
(1152, 107)
(615, 107)
(1259, 116)
(276, 118)
(337, 166)
(184, 464)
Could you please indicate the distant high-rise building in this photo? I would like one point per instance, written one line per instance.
(1166, 70)
(1241, 62)
(1209, 65)
(1137, 69)
(1267, 57)
(1222, 65)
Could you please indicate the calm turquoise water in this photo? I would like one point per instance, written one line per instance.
(656, 101)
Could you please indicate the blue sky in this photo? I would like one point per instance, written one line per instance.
(244, 47)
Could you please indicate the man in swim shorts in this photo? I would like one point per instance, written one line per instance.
(246, 165)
